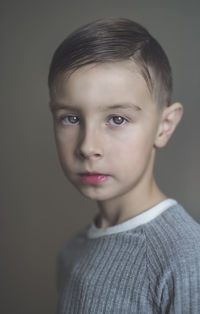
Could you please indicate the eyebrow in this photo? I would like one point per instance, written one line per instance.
(56, 106)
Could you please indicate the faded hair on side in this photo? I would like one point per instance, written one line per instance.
(113, 40)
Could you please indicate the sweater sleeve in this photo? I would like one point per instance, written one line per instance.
(180, 286)
(173, 262)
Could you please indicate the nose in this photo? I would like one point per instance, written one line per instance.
(90, 145)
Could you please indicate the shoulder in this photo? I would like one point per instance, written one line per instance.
(173, 261)
(173, 236)
(74, 244)
(68, 254)
(173, 255)
(174, 233)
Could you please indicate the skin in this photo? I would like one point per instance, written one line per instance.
(120, 142)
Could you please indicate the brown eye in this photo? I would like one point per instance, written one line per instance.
(69, 119)
(118, 120)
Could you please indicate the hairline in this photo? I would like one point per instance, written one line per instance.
(144, 71)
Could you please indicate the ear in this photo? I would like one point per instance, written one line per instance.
(170, 118)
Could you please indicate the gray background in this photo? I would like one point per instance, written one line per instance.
(40, 210)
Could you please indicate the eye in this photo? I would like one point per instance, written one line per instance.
(118, 120)
(70, 119)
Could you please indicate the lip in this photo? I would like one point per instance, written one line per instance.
(93, 177)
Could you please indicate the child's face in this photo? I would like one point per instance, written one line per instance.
(91, 136)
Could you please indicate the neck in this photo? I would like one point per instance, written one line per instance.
(120, 209)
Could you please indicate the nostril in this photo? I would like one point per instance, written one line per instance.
(89, 154)
(88, 150)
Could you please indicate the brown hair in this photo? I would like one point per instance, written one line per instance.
(112, 40)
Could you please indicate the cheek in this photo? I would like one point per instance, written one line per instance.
(134, 151)
(64, 149)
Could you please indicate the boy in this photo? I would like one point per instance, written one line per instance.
(110, 87)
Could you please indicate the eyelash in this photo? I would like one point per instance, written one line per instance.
(62, 119)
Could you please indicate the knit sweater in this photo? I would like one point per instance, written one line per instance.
(147, 264)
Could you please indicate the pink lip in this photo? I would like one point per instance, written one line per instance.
(93, 178)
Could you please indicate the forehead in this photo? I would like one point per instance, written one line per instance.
(101, 84)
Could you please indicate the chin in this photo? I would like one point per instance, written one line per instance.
(91, 194)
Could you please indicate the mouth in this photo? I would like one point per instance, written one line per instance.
(93, 177)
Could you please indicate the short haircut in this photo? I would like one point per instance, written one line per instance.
(113, 40)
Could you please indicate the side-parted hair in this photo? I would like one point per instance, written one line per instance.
(113, 40)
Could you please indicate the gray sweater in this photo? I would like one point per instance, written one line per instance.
(149, 264)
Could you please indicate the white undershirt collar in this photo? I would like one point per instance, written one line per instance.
(147, 216)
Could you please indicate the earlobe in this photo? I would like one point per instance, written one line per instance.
(171, 117)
